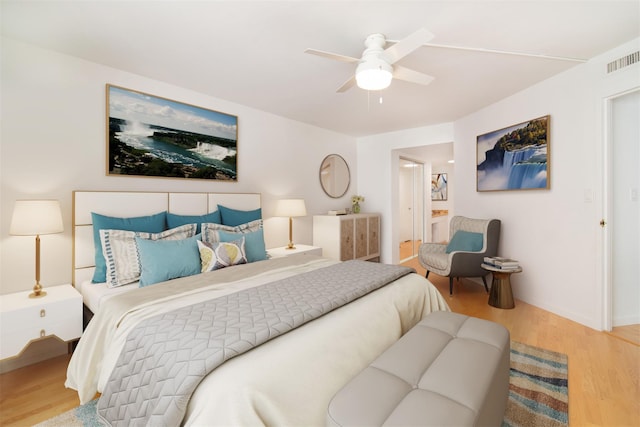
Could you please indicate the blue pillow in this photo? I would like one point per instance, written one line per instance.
(235, 217)
(254, 246)
(174, 220)
(162, 260)
(150, 224)
(465, 241)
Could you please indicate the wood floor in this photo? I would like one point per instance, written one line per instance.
(604, 371)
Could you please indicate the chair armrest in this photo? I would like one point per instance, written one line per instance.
(432, 248)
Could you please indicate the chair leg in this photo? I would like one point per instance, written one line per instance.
(426, 276)
(484, 280)
(450, 285)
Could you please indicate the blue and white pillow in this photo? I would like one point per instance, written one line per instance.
(151, 224)
(121, 252)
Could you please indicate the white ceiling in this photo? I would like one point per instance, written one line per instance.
(251, 52)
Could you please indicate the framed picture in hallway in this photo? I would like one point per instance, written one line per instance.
(515, 157)
(439, 186)
(156, 137)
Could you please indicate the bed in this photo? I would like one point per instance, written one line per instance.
(287, 380)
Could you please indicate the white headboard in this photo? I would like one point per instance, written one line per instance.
(139, 203)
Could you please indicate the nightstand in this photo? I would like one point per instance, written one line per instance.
(25, 319)
(299, 249)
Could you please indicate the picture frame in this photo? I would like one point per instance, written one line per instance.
(439, 183)
(514, 158)
(151, 136)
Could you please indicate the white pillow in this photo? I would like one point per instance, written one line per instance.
(121, 252)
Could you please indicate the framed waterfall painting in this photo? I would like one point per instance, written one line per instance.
(156, 137)
(514, 158)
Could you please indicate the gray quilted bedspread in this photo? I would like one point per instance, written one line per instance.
(166, 356)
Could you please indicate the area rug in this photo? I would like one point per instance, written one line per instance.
(538, 388)
(538, 393)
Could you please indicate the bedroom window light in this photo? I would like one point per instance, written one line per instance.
(33, 218)
(291, 208)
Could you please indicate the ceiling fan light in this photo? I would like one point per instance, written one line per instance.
(374, 75)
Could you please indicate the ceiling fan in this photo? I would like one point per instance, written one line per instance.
(378, 66)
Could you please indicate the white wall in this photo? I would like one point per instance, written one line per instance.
(53, 142)
(378, 158)
(554, 233)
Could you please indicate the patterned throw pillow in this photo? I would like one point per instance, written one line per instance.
(251, 231)
(121, 252)
(222, 254)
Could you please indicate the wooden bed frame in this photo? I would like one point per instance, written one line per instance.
(139, 203)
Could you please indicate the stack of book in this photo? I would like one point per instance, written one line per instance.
(502, 263)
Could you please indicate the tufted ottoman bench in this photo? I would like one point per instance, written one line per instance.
(449, 369)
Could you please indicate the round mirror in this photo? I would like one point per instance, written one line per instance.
(334, 176)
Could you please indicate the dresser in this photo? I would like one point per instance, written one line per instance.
(25, 319)
(345, 237)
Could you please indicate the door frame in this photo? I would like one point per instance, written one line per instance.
(422, 198)
(607, 209)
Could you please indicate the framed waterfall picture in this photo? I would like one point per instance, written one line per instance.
(514, 158)
(156, 137)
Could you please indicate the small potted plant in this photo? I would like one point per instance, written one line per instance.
(355, 203)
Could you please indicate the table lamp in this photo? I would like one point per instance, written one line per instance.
(33, 218)
(291, 208)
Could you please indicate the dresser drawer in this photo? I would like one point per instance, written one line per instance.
(42, 313)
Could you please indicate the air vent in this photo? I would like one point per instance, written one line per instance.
(625, 61)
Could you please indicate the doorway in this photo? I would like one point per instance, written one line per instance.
(411, 207)
(623, 216)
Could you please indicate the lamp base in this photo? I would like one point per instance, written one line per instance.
(37, 291)
(290, 246)
(39, 295)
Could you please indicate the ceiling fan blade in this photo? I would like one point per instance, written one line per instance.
(407, 45)
(347, 85)
(408, 75)
(330, 55)
(506, 52)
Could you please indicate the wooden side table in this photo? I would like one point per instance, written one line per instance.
(501, 295)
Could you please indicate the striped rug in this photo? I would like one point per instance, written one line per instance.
(538, 393)
(538, 388)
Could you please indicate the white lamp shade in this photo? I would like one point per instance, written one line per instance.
(291, 207)
(33, 217)
(374, 74)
